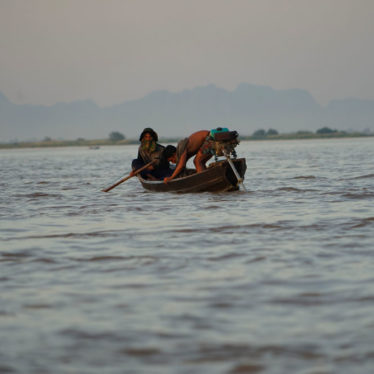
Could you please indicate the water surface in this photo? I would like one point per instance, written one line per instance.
(278, 279)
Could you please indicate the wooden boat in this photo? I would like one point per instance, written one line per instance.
(218, 177)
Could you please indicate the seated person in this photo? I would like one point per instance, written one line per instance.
(197, 144)
(149, 150)
(170, 156)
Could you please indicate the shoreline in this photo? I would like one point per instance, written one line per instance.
(95, 143)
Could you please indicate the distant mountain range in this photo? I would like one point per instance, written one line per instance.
(246, 109)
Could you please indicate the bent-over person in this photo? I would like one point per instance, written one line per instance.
(197, 144)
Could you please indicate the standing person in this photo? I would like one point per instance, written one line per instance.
(198, 144)
(149, 150)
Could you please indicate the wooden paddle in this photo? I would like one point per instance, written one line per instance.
(129, 176)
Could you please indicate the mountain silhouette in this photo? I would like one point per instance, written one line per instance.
(245, 109)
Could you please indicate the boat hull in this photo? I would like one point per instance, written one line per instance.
(218, 177)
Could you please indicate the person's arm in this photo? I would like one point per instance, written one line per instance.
(180, 166)
(146, 159)
(141, 163)
(157, 156)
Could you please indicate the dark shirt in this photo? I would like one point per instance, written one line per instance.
(161, 166)
(157, 155)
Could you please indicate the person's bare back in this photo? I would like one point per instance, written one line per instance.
(195, 141)
(193, 147)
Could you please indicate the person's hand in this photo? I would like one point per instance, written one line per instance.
(167, 179)
(132, 173)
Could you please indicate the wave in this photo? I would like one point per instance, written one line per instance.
(227, 256)
(105, 258)
(350, 195)
(88, 335)
(229, 228)
(294, 189)
(366, 176)
(140, 352)
(364, 222)
(305, 177)
(79, 235)
(45, 260)
(224, 352)
(358, 196)
(37, 195)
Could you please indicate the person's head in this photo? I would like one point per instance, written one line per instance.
(149, 134)
(170, 154)
(148, 138)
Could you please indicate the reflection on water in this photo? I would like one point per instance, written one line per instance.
(278, 279)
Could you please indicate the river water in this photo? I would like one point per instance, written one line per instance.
(277, 279)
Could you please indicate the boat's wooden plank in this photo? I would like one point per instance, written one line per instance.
(217, 177)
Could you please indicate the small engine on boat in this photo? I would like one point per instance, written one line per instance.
(223, 142)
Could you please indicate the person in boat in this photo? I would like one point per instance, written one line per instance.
(150, 150)
(197, 144)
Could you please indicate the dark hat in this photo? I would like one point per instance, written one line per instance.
(169, 151)
(150, 131)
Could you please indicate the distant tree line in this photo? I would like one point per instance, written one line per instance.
(261, 133)
(116, 136)
(326, 130)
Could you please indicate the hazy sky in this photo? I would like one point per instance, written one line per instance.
(116, 50)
